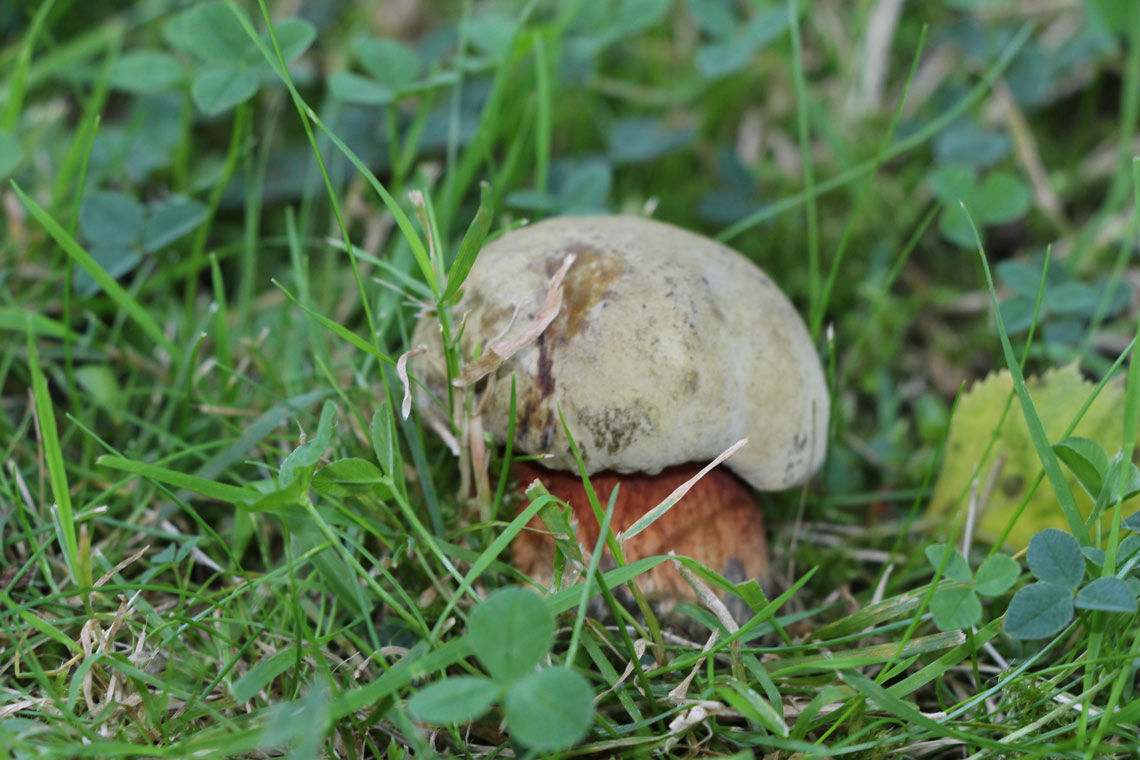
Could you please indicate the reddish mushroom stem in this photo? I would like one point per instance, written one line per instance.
(717, 523)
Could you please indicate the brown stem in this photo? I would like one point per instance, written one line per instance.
(717, 523)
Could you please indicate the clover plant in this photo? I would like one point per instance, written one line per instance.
(957, 605)
(1068, 303)
(119, 230)
(997, 198)
(229, 68)
(1060, 563)
(511, 632)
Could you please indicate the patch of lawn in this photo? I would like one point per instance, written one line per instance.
(227, 531)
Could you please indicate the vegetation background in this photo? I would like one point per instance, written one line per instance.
(218, 540)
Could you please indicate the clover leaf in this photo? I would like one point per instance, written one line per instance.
(999, 198)
(1064, 296)
(391, 67)
(510, 633)
(1045, 608)
(118, 230)
(957, 605)
(231, 65)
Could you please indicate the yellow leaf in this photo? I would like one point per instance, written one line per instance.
(1058, 396)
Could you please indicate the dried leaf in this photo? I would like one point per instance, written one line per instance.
(499, 351)
(118, 568)
(1058, 396)
(709, 597)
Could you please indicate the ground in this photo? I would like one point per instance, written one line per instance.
(221, 535)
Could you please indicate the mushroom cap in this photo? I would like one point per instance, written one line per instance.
(668, 348)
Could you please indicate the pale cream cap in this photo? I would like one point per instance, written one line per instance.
(668, 348)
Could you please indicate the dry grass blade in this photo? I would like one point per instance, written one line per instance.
(442, 429)
(499, 351)
(402, 373)
(1029, 156)
(480, 460)
(881, 28)
(678, 692)
(698, 713)
(678, 493)
(120, 567)
(713, 602)
(639, 647)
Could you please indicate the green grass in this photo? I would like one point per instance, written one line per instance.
(219, 536)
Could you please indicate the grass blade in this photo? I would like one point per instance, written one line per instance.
(208, 488)
(472, 242)
(945, 119)
(907, 713)
(121, 297)
(1049, 461)
(819, 309)
(802, 109)
(19, 81)
(13, 319)
(53, 459)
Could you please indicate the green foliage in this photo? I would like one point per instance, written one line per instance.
(601, 25)
(491, 32)
(109, 218)
(969, 4)
(169, 220)
(985, 411)
(1039, 611)
(229, 66)
(1045, 608)
(730, 44)
(1107, 594)
(1055, 557)
(956, 567)
(1068, 303)
(637, 140)
(11, 153)
(205, 247)
(1120, 18)
(262, 674)
(145, 72)
(100, 381)
(295, 474)
(967, 142)
(580, 187)
(1132, 522)
(510, 633)
(391, 67)
(997, 573)
(119, 231)
(1097, 474)
(957, 605)
(1086, 460)
(999, 198)
(351, 476)
(470, 245)
(458, 699)
(551, 709)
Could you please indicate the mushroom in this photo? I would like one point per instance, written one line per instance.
(666, 349)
